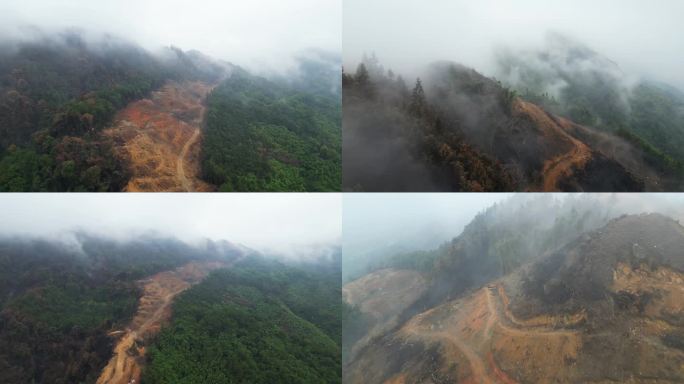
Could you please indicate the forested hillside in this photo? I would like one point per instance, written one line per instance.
(492, 244)
(57, 93)
(583, 267)
(59, 300)
(552, 319)
(571, 80)
(458, 130)
(257, 322)
(396, 140)
(275, 135)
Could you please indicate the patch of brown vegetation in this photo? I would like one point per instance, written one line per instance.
(159, 138)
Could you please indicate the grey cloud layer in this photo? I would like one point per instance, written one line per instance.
(380, 224)
(644, 38)
(273, 222)
(261, 34)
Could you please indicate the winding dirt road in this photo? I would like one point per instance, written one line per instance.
(549, 325)
(477, 364)
(468, 329)
(182, 158)
(554, 130)
(154, 309)
(563, 165)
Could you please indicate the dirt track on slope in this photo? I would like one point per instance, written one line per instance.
(449, 334)
(563, 165)
(159, 138)
(154, 309)
(180, 163)
(555, 129)
(480, 326)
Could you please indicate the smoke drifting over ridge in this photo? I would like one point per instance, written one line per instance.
(263, 35)
(644, 39)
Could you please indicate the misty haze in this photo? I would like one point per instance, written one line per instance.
(525, 96)
(170, 96)
(529, 288)
(176, 288)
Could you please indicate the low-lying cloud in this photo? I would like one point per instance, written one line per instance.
(643, 38)
(274, 223)
(263, 35)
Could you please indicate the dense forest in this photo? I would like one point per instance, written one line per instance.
(275, 135)
(258, 322)
(395, 139)
(57, 93)
(58, 300)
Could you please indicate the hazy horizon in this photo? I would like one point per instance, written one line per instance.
(377, 225)
(282, 223)
(262, 35)
(379, 219)
(643, 39)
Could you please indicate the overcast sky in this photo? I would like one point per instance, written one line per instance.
(375, 220)
(643, 37)
(254, 33)
(262, 221)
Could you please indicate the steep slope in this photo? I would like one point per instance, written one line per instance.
(271, 135)
(558, 319)
(62, 305)
(570, 79)
(542, 149)
(58, 93)
(159, 138)
(154, 309)
(394, 141)
(261, 321)
(43, 81)
(381, 297)
(459, 130)
(82, 113)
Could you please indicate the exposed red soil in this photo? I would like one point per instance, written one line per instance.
(555, 128)
(160, 138)
(481, 330)
(154, 310)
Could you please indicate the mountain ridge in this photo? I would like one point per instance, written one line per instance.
(553, 319)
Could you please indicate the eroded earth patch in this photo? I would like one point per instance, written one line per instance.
(159, 138)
